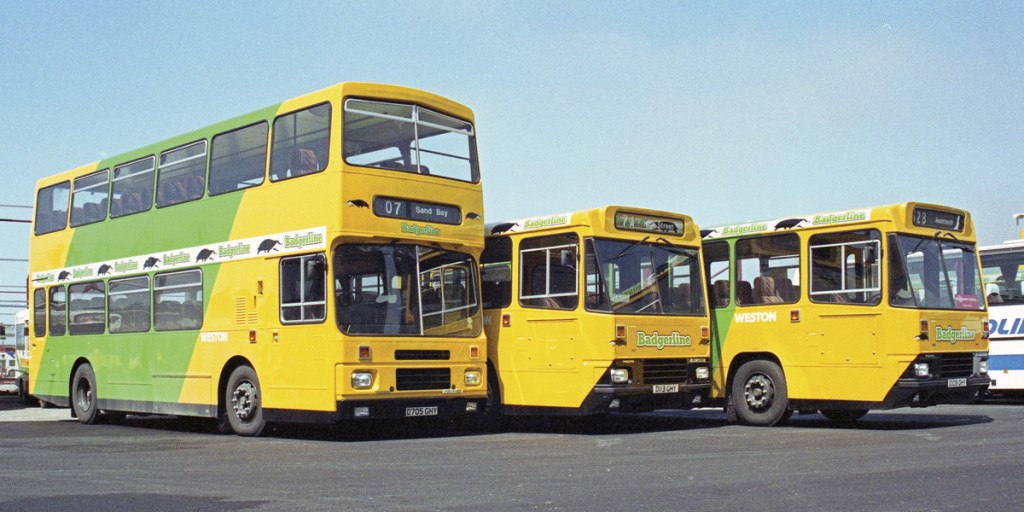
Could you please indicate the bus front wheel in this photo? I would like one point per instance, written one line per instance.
(83, 395)
(243, 402)
(759, 393)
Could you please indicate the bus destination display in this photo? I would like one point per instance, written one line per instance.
(647, 223)
(928, 218)
(416, 210)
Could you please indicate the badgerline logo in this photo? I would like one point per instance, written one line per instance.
(420, 230)
(954, 335)
(656, 340)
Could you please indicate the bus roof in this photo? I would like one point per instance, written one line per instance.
(622, 218)
(336, 91)
(899, 213)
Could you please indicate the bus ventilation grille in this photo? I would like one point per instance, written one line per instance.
(664, 371)
(422, 355)
(412, 379)
(956, 365)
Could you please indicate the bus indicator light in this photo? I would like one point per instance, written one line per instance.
(794, 316)
(364, 352)
(924, 330)
(620, 331)
(474, 352)
(252, 335)
(506, 320)
(984, 329)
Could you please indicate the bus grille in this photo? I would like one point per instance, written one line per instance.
(664, 371)
(412, 379)
(422, 355)
(956, 365)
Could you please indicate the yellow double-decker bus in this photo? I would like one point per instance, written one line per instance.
(846, 311)
(596, 311)
(315, 260)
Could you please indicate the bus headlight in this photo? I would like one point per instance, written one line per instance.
(619, 375)
(472, 378)
(362, 380)
(921, 370)
(702, 373)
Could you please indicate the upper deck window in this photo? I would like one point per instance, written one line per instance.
(132, 191)
(182, 174)
(89, 202)
(409, 138)
(52, 208)
(301, 141)
(238, 159)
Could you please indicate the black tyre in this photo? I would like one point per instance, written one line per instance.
(844, 415)
(243, 402)
(26, 399)
(759, 394)
(83, 395)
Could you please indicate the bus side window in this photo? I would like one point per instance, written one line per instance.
(301, 141)
(548, 272)
(716, 272)
(39, 312)
(302, 287)
(58, 305)
(132, 188)
(238, 159)
(52, 208)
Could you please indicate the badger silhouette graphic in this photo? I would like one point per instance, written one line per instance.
(104, 269)
(472, 216)
(503, 227)
(204, 255)
(705, 232)
(788, 223)
(358, 203)
(151, 262)
(268, 245)
(64, 274)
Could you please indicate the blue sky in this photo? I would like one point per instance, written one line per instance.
(725, 111)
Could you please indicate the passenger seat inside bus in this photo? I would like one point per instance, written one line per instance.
(721, 290)
(764, 291)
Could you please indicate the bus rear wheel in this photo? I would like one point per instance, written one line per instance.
(243, 402)
(759, 393)
(83, 395)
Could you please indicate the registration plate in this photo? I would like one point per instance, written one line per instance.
(666, 388)
(421, 411)
(957, 383)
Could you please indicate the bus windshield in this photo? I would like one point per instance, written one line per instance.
(1004, 277)
(409, 138)
(405, 290)
(643, 278)
(933, 273)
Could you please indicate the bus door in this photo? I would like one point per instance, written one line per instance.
(845, 280)
(548, 290)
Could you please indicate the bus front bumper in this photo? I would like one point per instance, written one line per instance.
(628, 398)
(928, 392)
(348, 410)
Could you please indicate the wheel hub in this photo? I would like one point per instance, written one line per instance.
(759, 392)
(243, 401)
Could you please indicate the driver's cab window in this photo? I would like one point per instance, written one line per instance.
(549, 272)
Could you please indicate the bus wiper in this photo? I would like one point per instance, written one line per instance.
(629, 248)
